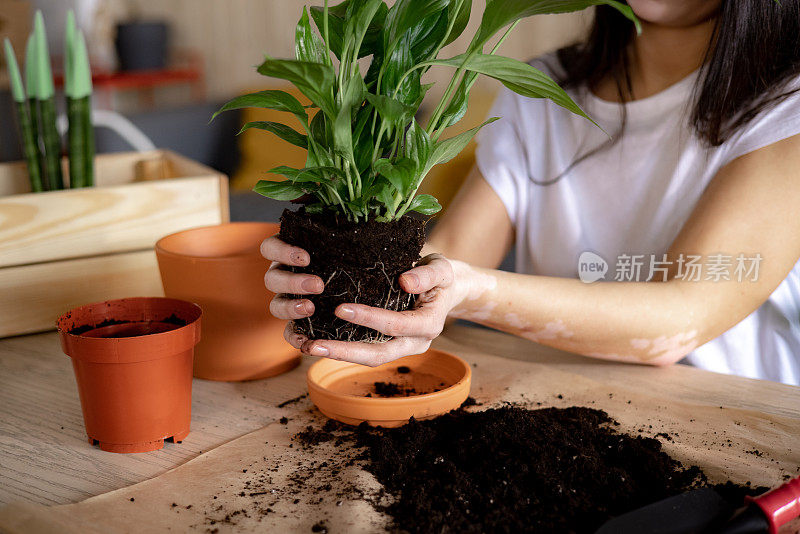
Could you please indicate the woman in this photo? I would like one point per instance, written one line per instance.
(703, 170)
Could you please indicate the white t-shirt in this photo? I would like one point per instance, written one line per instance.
(631, 200)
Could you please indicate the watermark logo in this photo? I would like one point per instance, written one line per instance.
(591, 267)
(657, 267)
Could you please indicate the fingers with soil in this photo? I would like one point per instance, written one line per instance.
(284, 308)
(295, 340)
(371, 354)
(274, 249)
(434, 271)
(417, 323)
(279, 281)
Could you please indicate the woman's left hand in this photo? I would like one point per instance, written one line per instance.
(413, 330)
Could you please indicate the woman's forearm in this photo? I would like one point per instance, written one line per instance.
(655, 323)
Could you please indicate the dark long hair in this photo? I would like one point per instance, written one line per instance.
(754, 52)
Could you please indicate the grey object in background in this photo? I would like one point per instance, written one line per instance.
(142, 45)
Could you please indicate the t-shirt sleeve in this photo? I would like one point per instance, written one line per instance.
(770, 126)
(499, 155)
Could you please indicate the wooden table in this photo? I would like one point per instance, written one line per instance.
(45, 458)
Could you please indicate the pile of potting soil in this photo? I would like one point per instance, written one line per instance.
(517, 470)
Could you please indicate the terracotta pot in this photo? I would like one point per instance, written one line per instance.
(340, 389)
(221, 269)
(133, 364)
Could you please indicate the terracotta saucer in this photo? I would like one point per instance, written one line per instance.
(421, 386)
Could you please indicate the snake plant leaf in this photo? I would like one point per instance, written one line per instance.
(307, 44)
(287, 133)
(282, 190)
(500, 13)
(425, 204)
(69, 46)
(315, 80)
(518, 76)
(44, 76)
(81, 85)
(270, 99)
(444, 151)
(17, 90)
(30, 67)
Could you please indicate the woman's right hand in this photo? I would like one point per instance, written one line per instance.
(281, 281)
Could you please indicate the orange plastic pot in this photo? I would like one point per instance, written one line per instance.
(344, 391)
(221, 269)
(133, 364)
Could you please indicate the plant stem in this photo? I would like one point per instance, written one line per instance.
(325, 34)
(435, 136)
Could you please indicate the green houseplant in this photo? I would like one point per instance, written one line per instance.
(367, 154)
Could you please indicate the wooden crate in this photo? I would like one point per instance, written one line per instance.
(61, 249)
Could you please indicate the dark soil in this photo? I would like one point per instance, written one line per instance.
(359, 262)
(390, 389)
(292, 401)
(173, 322)
(78, 330)
(517, 470)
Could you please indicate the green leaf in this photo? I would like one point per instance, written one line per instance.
(418, 145)
(358, 18)
(385, 196)
(320, 130)
(460, 10)
(352, 97)
(315, 80)
(280, 190)
(392, 111)
(307, 44)
(500, 13)
(307, 174)
(316, 208)
(290, 135)
(400, 62)
(406, 15)
(363, 143)
(15, 79)
(425, 204)
(272, 99)
(446, 150)
(457, 107)
(336, 27)
(428, 36)
(401, 174)
(517, 76)
(44, 77)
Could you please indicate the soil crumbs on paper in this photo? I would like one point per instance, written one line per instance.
(507, 469)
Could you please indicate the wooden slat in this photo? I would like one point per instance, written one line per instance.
(59, 225)
(32, 297)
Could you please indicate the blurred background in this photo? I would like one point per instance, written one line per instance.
(167, 65)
